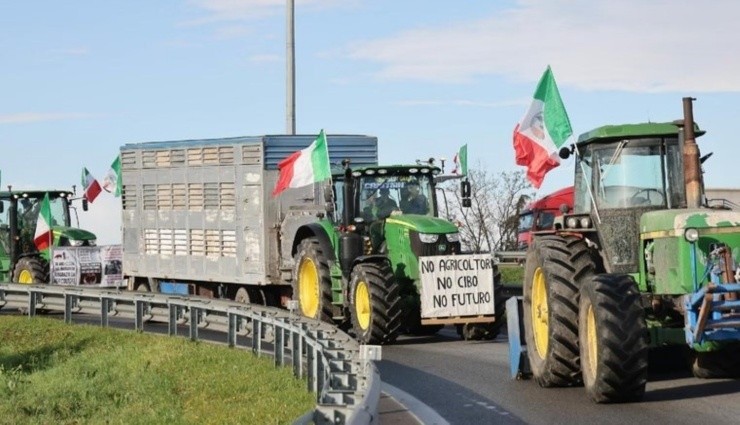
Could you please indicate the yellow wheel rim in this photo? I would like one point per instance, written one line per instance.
(308, 287)
(25, 277)
(591, 359)
(362, 305)
(540, 323)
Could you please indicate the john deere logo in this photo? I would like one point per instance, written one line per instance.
(442, 247)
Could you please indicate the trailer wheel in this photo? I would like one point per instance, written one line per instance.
(242, 295)
(30, 270)
(614, 339)
(312, 281)
(555, 268)
(723, 363)
(374, 304)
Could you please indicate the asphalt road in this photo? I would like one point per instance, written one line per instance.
(468, 382)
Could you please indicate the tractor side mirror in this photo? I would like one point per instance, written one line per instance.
(564, 152)
(465, 193)
(84, 204)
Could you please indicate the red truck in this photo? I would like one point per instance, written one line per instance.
(540, 214)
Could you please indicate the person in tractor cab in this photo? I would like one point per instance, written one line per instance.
(415, 202)
(385, 204)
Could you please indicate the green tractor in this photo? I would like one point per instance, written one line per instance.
(640, 263)
(359, 266)
(20, 260)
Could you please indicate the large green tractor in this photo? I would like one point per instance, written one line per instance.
(20, 261)
(359, 265)
(640, 263)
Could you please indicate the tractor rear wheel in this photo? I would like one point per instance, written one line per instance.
(312, 281)
(30, 270)
(374, 304)
(614, 339)
(723, 363)
(555, 268)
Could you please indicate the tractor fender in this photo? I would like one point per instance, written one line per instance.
(314, 230)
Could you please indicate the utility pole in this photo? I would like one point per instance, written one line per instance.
(290, 69)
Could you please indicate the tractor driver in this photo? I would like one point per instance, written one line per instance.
(414, 202)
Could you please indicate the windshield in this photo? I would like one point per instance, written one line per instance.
(380, 196)
(28, 211)
(632, 173)
(525, 222)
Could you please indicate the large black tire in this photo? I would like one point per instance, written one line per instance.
(374, 304)
(556, 267)
(312, 281)
(723, 363)
(31, 270)
(614, 339)
(490, 330)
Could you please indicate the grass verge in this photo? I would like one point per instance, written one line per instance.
(55, 373)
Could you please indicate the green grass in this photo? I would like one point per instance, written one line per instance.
(511, 274)
(61, 374)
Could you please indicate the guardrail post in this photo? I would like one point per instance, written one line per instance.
(279, 346)
(194, 322)
(257, 335)
(311, 368)
(32, 304)
(68, 303)
(231, 332)
(139, 315)
(172, 319)
(297, 353)
(104, 309)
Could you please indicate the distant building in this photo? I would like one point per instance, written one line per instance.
(723, 197)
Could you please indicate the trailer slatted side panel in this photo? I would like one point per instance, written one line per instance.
(202, 210)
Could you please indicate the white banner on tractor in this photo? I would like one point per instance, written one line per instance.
(456, 286)
(87, 265)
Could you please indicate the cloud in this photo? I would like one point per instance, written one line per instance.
(463, 102)
(630, 45)
(246, 10)
(33, 117)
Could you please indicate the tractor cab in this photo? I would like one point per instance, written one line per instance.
(623, 172)
(20, 260)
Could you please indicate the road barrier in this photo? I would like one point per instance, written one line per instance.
(337, 369)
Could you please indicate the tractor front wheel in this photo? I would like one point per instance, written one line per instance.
(555, 268)
(374, 304)
(614, 339)
(312, 281)
(723, 363)
(30, 270)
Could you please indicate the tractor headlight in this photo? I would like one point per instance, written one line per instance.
(75, 242)
(585, 222)
(691, 234)
(453, 237)
(572, 222)
(428, 237)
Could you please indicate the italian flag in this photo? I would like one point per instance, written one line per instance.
(461, 161)
(542, 131)
(92, 187)
(304, 167)
(43, 236)
(112, 180)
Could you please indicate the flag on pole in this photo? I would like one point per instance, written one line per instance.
(92, 187)
(305, 166)
(461, 161)
(43, 236)
(542, 131)
(112, 181)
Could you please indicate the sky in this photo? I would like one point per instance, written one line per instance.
(79, 79)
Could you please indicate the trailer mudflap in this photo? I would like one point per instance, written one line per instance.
(518, 360)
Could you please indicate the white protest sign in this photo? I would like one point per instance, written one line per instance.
(457, 285)
(87, 265)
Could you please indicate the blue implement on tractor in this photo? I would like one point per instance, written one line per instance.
(518, 360)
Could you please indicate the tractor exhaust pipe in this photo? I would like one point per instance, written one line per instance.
(691, 163)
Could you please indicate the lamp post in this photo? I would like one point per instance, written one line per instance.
(290, 69)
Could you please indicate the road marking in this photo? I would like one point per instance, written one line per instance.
(423, 413)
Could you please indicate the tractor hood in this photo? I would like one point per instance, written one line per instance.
(423, 223)
(674, 222)
(72, 233)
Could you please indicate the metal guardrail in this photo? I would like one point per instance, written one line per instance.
(339, 370)
(518, 257)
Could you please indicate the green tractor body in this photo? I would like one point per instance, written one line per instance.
(640, 263)
(20, 260)
(385, 221)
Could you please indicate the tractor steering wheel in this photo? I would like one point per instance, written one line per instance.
(635, 200)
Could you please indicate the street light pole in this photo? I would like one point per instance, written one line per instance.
(290, 69)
